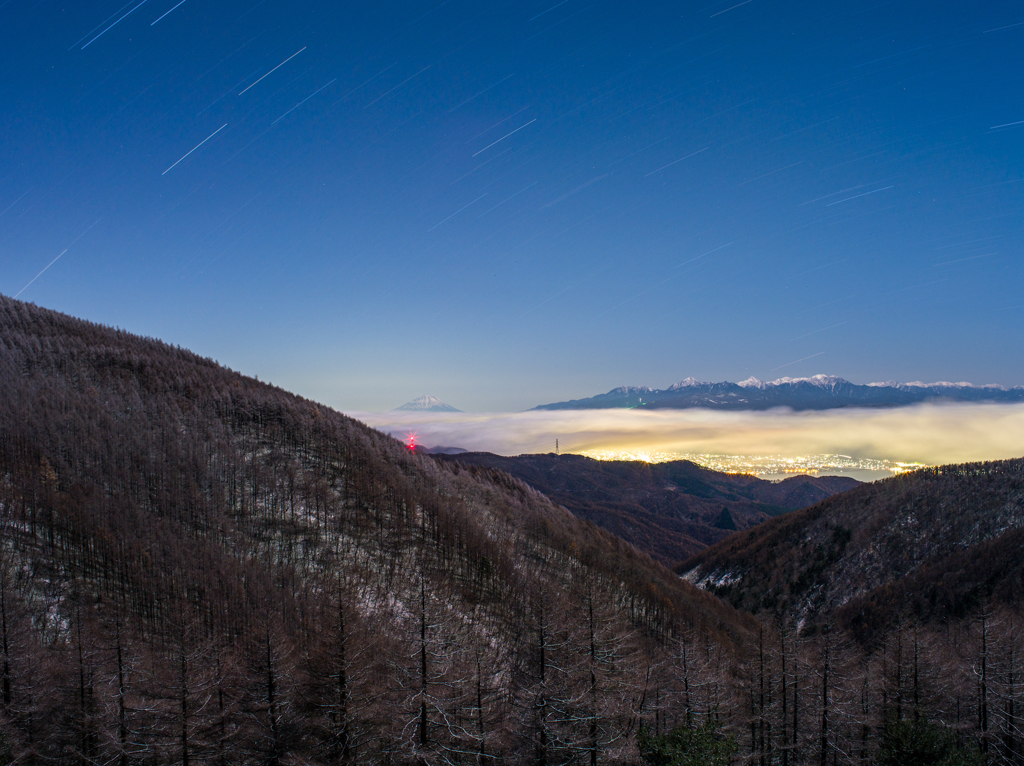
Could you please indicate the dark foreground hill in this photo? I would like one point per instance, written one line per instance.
(200, 568)
(936, 544)
(670, 510)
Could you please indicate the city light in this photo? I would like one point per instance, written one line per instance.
(762, 465)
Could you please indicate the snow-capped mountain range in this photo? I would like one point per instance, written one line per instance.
(426, 403)
(820, 392)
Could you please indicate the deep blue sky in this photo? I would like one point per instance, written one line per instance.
(510, 204)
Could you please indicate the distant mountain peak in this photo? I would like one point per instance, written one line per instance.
(632, 390)
(817, 392)
(824, 381)
(685, 383)
(947, 384)
(426, 403)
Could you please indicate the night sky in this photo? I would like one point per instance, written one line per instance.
(518, 203)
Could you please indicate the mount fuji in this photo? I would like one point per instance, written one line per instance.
(426, 403)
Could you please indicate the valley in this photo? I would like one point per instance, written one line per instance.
(671, 510)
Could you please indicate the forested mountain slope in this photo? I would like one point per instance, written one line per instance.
(671, 510)
(198, 567)
(935, 544)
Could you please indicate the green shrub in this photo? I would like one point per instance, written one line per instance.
(704, 745)
(923, 743)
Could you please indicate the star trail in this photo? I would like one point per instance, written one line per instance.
(521, 203)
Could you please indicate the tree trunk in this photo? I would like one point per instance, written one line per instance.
(826, 667)
(424, 735)
(983, 687)
(183, 687)
(7, 656)
(784, 733)
(343, 691)
(593, 683)
(122, 718)
(275, 734)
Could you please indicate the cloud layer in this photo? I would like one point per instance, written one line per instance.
(927, 433)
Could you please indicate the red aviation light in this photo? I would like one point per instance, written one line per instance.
(410, 441)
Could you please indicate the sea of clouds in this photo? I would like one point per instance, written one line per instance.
(927, 433)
